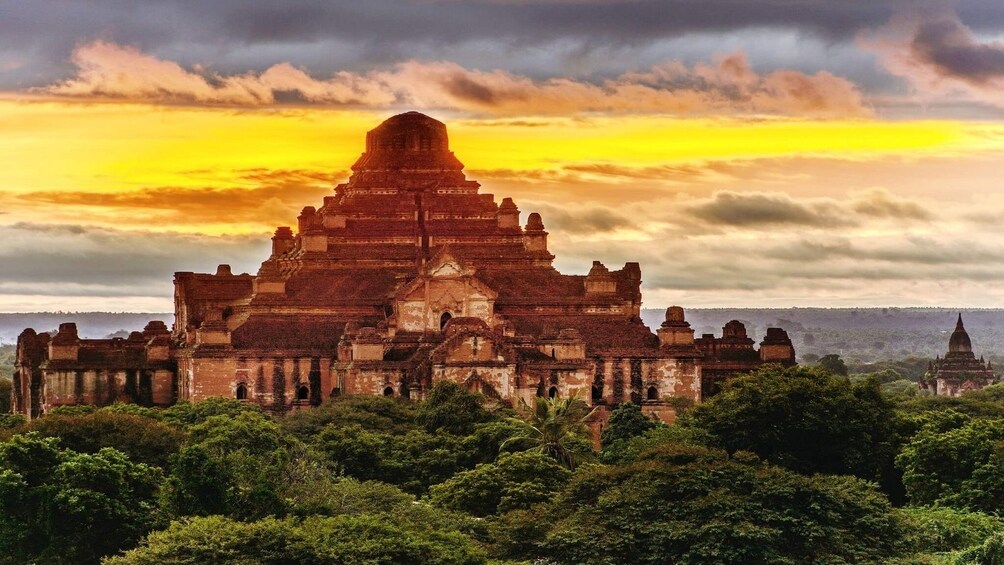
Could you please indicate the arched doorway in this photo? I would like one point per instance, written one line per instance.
(446, 317)
(242, 392)
(302, 392)
(653, 393)
(389, 391)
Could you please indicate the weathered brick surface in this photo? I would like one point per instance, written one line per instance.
(407, 275)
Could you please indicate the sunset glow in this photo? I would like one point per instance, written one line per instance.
(844, 171)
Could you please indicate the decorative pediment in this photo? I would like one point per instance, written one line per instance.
(449, 269)
(445, 264)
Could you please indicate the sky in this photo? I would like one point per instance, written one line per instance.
(771, 153)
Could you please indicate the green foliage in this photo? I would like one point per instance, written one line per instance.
(832, 364)
(8, 354)
(940, 530)
(6, 389)
(987, 403)
(72, 410)
(413, 461)
(364, 539)
(633, 449)
(956, 465)
(12, 421)
(373, 413)
(515, 481)
(216, 539)
(61, 506)
(143, 439)
(990, 552)
(804, 419)
(626, 422)
(185, 414)
(134, 409)
(488, 441)
(322, 495)
(233, 465)
(908, 368)
(453, 409)
(688, 504)
(557, 428)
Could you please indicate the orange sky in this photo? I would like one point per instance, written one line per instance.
(794, 165)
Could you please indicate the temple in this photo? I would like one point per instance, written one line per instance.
(406, 276)
(734, 352)
(959, 371)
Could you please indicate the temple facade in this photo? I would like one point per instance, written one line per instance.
(406, 276)
(959, 370)
(735, 352)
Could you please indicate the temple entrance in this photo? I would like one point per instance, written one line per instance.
(389, 391)
(653, 393)
(446, 317)
(242, 392)
(302, 392)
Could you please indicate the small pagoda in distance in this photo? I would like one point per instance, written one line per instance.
(959, 371)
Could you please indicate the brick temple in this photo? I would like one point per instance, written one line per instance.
(406, 276)
(959, 370)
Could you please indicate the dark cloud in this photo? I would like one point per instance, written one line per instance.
(881, 204)
(949, 46)
(74, 260)
(237, 35)
(753, 209)
(581, 219)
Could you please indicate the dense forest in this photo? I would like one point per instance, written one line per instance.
(795, 465)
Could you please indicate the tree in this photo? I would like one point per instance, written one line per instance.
(184, 414)
(556, 427)
(6, 388)
(990, 552)
(960, 466)
(61, 506)
(804, 419)
(372, 413)
(934, 530)
(690, 504)
(231, 465)
(216, 539)
(363, 539)
(832, 364)
(452, 409)
(143, 439)
(515, 481)
(626, 421)
(412, 461)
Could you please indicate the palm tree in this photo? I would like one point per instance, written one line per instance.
(556, 427)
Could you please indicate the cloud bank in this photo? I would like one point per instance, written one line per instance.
(727, 86)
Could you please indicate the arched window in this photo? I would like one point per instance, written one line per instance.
(389, 391)
(443, 319)
(597, 394)
(242, 392)
(302, 392)
(552, 392)
(653, 393)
